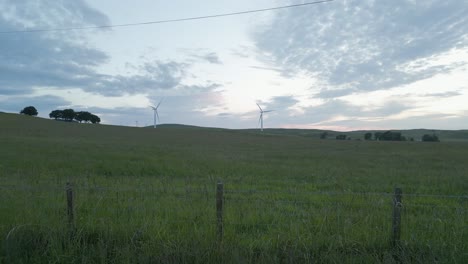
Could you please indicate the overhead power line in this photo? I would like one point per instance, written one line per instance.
(165, 21)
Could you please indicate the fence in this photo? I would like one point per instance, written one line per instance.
(288, 205)
(396, 218)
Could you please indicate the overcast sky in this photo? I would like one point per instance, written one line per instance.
(342, 65)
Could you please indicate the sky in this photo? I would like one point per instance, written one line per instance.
(341, 65)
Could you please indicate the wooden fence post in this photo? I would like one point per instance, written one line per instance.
(70, 208)
(219, 210)
(396, 219)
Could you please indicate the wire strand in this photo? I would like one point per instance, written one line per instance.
(211, 191)
(165, 21)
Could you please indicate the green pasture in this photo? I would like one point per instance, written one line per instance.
(145, 195)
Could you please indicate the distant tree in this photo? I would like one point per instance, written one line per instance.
(56, 114)
(79, 116)
(68, 114)
(324, 135)
(95, 119)
(29, 110)
(430, 138)
(341, 137)
(368, 136)
(377, 135)
(83, 116)
(391, 136)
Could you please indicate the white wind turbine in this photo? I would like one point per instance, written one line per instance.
(260, 120)
(156, 116)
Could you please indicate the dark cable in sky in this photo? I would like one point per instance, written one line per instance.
(164, 21)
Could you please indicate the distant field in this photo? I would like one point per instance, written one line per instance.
(147, 195)
(416, 134)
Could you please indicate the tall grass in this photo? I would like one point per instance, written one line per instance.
(148, 196)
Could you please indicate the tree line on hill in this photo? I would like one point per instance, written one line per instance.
(84, 116)
(65, 115)
(397, 136)
(385, 136)
(70, 115)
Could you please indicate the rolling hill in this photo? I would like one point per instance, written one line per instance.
(149, 195)
(29, 124)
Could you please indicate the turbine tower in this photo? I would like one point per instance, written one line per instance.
(260, 120)
(156, 116)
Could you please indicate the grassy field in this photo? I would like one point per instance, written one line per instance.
(146, 195)
(416, 134)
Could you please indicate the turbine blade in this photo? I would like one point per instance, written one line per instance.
(261, 110)
(159, 103)
(259, 119)
(157, 116)
(268, 111)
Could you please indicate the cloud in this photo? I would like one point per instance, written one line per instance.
(444, 121)
(42, 69)
(361, 45)
(443, 94)
(211, 57)
(202, 55)
(48, 58)
(266, 68)
(279, 103)
(330, 113)
(388, 109)
(37, 14)
(64, 60)
(330, 109)
(284, 114)
(334, 93)
(242, 51)
(155, 75)
(43, 104)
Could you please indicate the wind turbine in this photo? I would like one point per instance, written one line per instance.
(260, 120)
(156, 116)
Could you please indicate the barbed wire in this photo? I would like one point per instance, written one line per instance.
(250, 202)
(204, 190)
(253, 191)
(432, 206)
(415, 227)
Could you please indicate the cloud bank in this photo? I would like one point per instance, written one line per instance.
(364, 45)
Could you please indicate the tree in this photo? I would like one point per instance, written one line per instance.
(341, 137)
(430, 138)
(68, 114)
(377, 135)
(324, 135)
(56, 114)
(391, 136)
(83, 116)
(29, 110)
(368, 136)
(95, 119)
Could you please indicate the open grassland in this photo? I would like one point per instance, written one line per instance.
(415, 134)
(147, 195)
